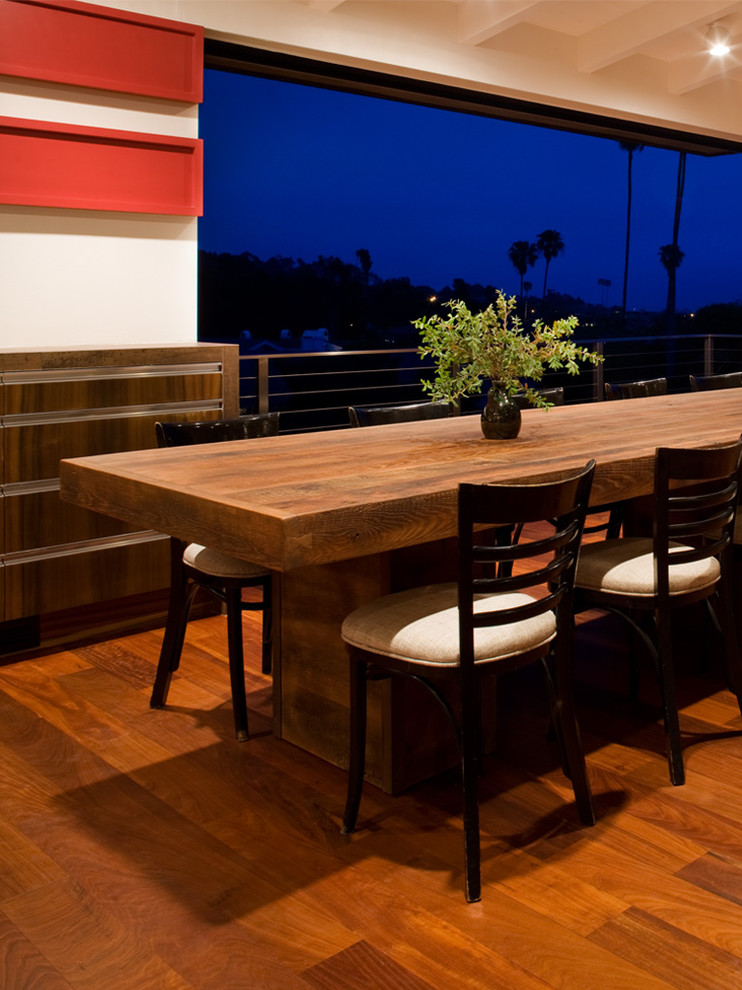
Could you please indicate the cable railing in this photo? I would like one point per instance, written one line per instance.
(312, 390)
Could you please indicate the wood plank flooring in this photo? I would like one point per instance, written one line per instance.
(147, 850)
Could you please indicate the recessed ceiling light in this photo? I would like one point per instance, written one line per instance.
(717, 37)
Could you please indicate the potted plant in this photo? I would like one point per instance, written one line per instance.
(493, 345)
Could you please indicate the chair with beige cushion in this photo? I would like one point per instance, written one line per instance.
(193, 566)
(634, 515)
(491, 621)
(687, 560)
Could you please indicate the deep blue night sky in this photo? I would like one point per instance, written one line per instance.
(433, 195)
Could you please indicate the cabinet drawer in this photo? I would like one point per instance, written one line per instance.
(35, 519)
(33, 451)
(98, 388)
(36, 586)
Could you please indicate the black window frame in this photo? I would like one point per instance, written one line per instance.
(244, 59)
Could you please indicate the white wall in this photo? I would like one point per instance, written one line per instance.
(79, 277)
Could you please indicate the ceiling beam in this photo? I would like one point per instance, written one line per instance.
(324, 6)
(632, 32)
(694, 71)
(483, 19)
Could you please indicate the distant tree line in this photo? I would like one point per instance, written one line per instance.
(239, 293)
(242, 293)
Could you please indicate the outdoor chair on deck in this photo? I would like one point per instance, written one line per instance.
(687, 560)
(636, 390)
(378, 415)
(488, 623)
(701, 383)
(193, 566)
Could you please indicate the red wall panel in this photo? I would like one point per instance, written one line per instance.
(84, 45)
(91, 168)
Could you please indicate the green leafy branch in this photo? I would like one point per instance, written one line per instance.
(468, 347)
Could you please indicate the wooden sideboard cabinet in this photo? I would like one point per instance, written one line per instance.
(56, 558)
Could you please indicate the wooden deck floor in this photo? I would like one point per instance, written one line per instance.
(147, 849)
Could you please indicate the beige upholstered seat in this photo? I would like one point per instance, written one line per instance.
(511, 606)
(422, 626)
(626, 567)
(219, 564)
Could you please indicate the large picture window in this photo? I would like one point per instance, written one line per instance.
(337, 213)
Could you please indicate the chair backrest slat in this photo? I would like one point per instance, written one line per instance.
(636, 390)
(381, 415)
(519, 613)
(553, 395)
(185, 433)
(701, 383)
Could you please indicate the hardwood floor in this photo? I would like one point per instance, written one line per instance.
(147, 849)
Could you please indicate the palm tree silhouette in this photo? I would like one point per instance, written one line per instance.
(631, 147)
(550, 244)
(364, 261)
(670, 254)
(523, 255)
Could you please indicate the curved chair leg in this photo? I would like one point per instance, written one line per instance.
(358, 706)
(233, 598)
(182, 594)
(267, 587)
(726, 621)
(669, 701)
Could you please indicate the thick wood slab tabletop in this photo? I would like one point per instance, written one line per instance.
(290, 501)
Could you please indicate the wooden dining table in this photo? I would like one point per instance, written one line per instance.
(345, 515)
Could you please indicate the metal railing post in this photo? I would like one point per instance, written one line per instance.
(262, 385)
(598, 376)
(708, 355)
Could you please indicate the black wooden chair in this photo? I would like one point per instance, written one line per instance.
(379, 415)
(634, 515)
(611, 526)
(701, 383)
(688, 559)
(553, 395)
(193, 566)
(636, 390)
(488, 623)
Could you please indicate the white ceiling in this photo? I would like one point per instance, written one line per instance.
(644, 63)
(592, 35)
